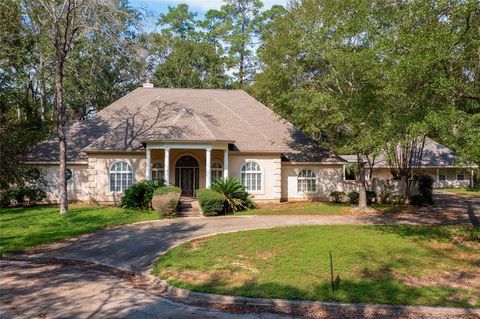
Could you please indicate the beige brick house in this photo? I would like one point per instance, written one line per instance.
(189, 137)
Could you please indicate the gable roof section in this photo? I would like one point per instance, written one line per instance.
(154, 114)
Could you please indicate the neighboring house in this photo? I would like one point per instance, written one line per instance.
(189, 137)
(438, 161)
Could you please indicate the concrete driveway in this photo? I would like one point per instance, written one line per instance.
(59, 291)
(55, 291)
(135, 247)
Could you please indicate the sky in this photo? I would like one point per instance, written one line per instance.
(155, 7)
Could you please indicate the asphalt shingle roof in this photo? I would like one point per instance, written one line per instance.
(157, 114)
(434, 155)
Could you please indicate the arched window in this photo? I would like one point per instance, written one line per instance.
(251, 176)
(217, 170)
(158, 176)
(306, 181)
(121, 177)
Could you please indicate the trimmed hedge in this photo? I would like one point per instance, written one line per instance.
(211, 202)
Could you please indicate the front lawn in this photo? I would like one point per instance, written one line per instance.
(22, 228)
(314, 208)
(475, 192)
(413, 265)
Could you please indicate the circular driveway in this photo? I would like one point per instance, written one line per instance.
(135, 247)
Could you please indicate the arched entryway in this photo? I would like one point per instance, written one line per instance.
(187, 175)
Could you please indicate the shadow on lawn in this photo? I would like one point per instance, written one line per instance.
(377, 288)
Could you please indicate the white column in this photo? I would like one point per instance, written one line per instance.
(438, 179)
(472, 184)
(167, 166)
(208, 166)
(225, 163)
(148, 174)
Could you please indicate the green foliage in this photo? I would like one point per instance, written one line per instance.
(371, 197)
(372, 262)
(27, 227)
(234, 193)
(138, 196)
(165, 200)
(397, 199)
(211, 202)
(425, 188)
(353, 197)
(166, 189)
(337, 197)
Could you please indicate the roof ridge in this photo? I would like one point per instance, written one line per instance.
(242, 119)
(203, 124)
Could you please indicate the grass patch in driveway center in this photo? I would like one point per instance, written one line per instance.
(413, 265)
(27, 227)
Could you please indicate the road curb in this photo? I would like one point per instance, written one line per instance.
(163, 289)
(276, 304)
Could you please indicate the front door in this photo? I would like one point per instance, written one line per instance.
(186, 180)
(187, 175)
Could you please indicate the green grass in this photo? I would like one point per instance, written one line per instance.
(23, 228)
(475, 192)
(414, 265)
(313, 208)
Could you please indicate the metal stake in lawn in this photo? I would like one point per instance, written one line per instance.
(331, 272)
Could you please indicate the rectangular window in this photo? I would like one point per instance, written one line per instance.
(442, 177)
(460, 176)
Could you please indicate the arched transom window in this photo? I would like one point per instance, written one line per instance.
(251, 176)
(306, 181)
(217, 170)
(121, 177)
(158, 173)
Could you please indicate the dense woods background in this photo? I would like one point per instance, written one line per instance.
(358, 75)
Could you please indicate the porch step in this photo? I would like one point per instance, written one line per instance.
(188, 207)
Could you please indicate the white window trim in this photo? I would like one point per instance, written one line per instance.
(307, 178)
(216, 161)
(158, 169)
(110, 169)
(262, 178)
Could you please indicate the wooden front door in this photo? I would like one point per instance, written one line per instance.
(187, 175)
(186, 181)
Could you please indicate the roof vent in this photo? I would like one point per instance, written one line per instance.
(147, 84)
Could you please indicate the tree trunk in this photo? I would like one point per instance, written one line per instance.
(60, 112)
(43, 96)
(362, 190)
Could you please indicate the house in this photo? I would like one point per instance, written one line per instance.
(445, 166)
(188, 137)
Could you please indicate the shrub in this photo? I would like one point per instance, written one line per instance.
(165, 200)
(22, 195)
(234, 193)
(211, 202)
(139, 195)
(397, 199)
(371, 197)
(353, 197)
(162, 190)
(337, 197)
(425, 188)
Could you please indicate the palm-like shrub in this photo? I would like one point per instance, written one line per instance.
(236, 197)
